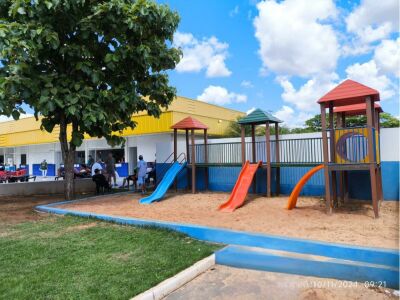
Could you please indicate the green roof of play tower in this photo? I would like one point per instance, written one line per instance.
(259, 116)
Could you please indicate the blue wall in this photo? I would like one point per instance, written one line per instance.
(224, 178)
(122, 169)
(51, 170)
(358, 180)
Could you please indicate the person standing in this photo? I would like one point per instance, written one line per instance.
(142, 171)
(43, 168)
(110, 169)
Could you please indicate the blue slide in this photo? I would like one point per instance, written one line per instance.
(165, 183)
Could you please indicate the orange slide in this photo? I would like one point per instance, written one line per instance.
(297, 189)
(241, 188)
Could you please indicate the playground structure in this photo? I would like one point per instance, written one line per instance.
(348, 149)
(247, 175)
(340, 149)
(348, 145)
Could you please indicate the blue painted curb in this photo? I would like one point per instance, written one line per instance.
(387, 257)
(243, 258)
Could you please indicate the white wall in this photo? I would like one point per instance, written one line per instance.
(162, 145)
(390, 144)
(36, 154)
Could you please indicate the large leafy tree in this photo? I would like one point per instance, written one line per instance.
(386, 120)
(86, 65)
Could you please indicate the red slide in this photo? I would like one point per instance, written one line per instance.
(297, 189)
(241, 188)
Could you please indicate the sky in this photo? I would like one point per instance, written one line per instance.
(282, 56)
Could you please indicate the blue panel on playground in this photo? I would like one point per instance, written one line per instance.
(122, 169)
(390, 182)
(224, 179)
(51, 170)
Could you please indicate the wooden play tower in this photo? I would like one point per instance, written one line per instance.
(260, 117)
(350, 148)
(191, 124)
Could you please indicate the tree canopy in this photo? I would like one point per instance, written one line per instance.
(312, 125)
(87, 64)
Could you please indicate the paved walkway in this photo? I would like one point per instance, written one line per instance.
(228, 283)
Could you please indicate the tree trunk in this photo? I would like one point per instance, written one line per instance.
(68, 154)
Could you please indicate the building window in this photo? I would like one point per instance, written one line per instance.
(80, 157)
(1, 159)
(23, 159)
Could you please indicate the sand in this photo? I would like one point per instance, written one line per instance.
(352, 224)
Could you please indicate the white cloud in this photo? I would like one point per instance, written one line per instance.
(22, 116)
(221, 96)
(234, 11)
(368, 74)
(250, 110)
(293, 41)
(291, 118)
(285, 113)
(373, 20)
(387, 56)
(247, 84)
(305, 98)
(207, 54)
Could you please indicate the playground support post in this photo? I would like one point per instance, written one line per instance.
(371, 156)
(243, 142)
(206, 158)
(328, 203)
(268, 158)
(378, 171)
(332, 152)
(175, 155)
(253, 153)
(193, 162)
(277, 160)
(340, 117)
(187, 156)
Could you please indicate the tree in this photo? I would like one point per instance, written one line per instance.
(314, 124)
(388, 121)
(234, 129)
(86, 66)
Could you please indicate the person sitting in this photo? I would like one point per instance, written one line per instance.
(132, 178)
(101, 182)
(86, 170)
(60, 173)
(97, 165)
(83, 172)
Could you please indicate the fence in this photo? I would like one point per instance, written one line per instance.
(291, 151)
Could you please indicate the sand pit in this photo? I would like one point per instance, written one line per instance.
(353, 224)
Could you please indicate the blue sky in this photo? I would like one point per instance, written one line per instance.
(282, 56)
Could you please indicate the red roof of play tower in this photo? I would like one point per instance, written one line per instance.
(356, 109)
(349, 92)
(189, 123)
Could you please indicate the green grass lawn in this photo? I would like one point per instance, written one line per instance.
(75, 258)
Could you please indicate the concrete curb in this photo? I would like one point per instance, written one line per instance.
(171, 284)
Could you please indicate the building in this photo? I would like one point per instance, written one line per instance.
(22, 143)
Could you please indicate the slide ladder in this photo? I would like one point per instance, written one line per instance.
(166, 181)
(297, 189)
(241, 188)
